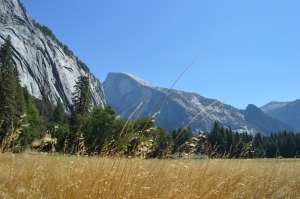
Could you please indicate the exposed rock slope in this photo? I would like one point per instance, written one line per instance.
(266, 123)
(41, 61)
(124, 92)
(287, 112)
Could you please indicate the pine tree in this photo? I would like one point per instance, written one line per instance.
(36, 129)
(10, 96)
(80, 111)
(58, 115)
(229, 140)
(81, 103)
(99, 127)
(216, 138)
(82, 96)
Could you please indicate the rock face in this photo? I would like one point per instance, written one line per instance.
(287, 112)
(124, 92)
(41, 60)
(263, 121)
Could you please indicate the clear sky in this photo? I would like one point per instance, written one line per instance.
(248, 51)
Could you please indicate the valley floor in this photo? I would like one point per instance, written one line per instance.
(41, 176)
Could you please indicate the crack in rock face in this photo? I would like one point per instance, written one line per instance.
(41, 61)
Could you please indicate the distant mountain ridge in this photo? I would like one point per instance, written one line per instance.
(287, 112)
(264, 122)
(43, 63)
(273, 105)
(124, 92)
(46, 65)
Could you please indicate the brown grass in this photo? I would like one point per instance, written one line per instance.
(41, 176)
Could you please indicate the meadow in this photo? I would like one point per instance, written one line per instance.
(57, 176)
(122, 169)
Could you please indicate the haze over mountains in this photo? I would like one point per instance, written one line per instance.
(124, 92)
(287, 112)
(46, 66)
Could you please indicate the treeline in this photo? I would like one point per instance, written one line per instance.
(27, 122)
(46, 31)
(223, 142)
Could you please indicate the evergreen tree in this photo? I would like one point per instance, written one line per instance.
(99, 127)
(59, 115)
(80, 112)
(258, 140)
(82, 96)
(271, 150)
(180, 138)
(81, 103)
(36, 129)
(164, 140)
(229, 140)
(237, 142)
(216, 138)
(45, 105)
(291, 145)
(11, 103)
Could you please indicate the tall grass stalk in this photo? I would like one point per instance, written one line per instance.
(10, 142)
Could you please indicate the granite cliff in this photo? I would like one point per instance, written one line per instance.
(124, 92)
(43, 63)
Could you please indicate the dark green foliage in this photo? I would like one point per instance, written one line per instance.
(181, 137)
(22, 6)
(217, 138)
(60, 134)
(99, 127)
(36, 129)
(16, 101)
(142, 124)
(44, 105)
(11, 98)
(82, 96)
(81, 104)
(59, 116)
(271, 150)
(46, 31)
(229, 139)
(60, 119)
(163, 141)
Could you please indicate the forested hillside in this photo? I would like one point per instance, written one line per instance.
(27, 122)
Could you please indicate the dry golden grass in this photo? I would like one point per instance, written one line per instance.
(40, 176)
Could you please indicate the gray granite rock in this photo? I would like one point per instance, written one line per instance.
(124, 92)
(266, 123)
(40, 60)
(287, 112)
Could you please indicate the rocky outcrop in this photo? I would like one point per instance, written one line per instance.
(124, 92)
(42, 62)
(266, 123)
(287, 112)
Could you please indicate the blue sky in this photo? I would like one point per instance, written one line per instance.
(248, 51)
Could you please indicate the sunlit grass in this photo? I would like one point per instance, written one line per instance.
(39, 176)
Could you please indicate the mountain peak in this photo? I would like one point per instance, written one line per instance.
(274, 101)
(273, 105)
(125, 92)
(263, 121)
(137, 79)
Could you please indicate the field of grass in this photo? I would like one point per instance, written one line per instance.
(41, 176)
